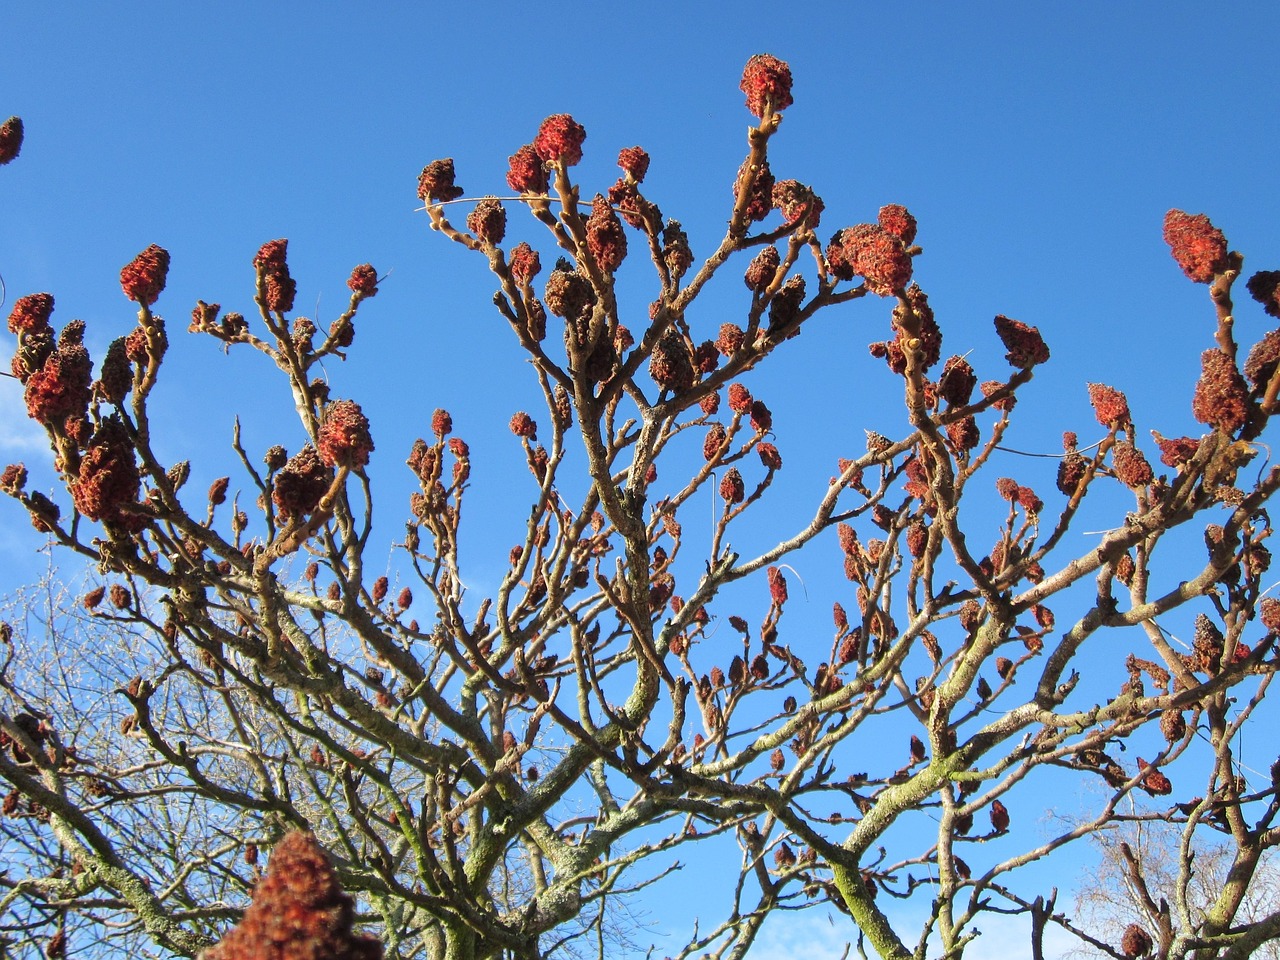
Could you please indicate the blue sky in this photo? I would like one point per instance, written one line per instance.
(1038, 145)
(1038, 151)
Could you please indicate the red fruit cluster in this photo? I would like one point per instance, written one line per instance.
(143, 277)
(271, 254)
(275, 457)
(1025, 345)
(538, 460)
(730, 339)
(1028, 500)
(999, 816)
(1269, 613)
(1208, 644)
(635, 161)
(44, 512)
(761, 417)
(526, 172)
(897, 220)
(917, 538)
(60, 387)
(732, 489)
(344, 435)
(441, 423)
(676, 253)
(1199, 247)
(706, 357)
(769, 456)
(1222, 398)
(425, 462)
(10, 139)
(1007, 487)
(762, 269)
(34, 348)
(488, 220)
(107, 483)
(1125, 570)
(435, 183)
(1007, 403)
(633, 208)
(777, 585)
(204, 317)
(1176, 451)
(873, 253)
(760, 200)
(928, 334)
(766, 81)
(784, 309)
(300, 484)
(1153, 781)
(568, 293)
(116, 376)
(13, 479)
(1130, 466)
(964, 433)
(279, 288)
(797, 203)
(563, 407)
(524, 264)
(1109, 405)
(31, 313)
(280, 291)
(1173, 725)
(298, 912)
(713, 441)
(671, 365)
(304, 332)
(853, 479)
(1263, 359)
(364, 280)
(957, 381)
(1135, 942)
(1264, 287)
(605, 238)
(560, 139)
(523, 425)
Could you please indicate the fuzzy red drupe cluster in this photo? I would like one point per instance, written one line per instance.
(298, 912)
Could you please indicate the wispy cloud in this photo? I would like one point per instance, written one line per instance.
(813, 936)
(822, 936)
(18, 434)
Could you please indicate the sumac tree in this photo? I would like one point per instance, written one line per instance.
(490, 774)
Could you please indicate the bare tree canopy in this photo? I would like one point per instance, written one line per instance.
(496, 773)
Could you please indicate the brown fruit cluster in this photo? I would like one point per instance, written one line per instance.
(298, 912)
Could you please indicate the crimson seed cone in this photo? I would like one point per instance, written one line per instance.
(298, 912)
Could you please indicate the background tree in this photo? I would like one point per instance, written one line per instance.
(492, 773)
(1148, 877)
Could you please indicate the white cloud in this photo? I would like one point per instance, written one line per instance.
(822, 936)
(807, 936)
(18, 433)
(1006, 936)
